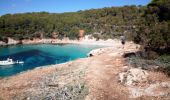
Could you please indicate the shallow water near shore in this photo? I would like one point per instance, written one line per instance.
(41, 55)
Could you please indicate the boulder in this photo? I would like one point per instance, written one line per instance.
(133, 76)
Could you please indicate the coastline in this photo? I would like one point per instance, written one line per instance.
(108, 43)
(85, 40)
(94, 77)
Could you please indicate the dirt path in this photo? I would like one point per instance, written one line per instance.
(102, 78)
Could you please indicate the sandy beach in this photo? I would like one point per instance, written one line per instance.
(85, 40)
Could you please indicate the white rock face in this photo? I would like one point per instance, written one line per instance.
(133, 76)
(12, 41)
(2, 43)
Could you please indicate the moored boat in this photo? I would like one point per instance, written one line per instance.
(7, 62)
(10, 62)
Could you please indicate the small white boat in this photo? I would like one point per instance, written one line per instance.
(7, 62)
(10, 62)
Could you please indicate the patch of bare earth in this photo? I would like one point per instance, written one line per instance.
(102, 79)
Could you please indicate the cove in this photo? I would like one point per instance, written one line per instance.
(41, 55)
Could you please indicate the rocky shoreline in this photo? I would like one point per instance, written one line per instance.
(104, 76)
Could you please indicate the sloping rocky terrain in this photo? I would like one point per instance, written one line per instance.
(105, 76)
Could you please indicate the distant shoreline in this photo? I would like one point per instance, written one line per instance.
(11, 42)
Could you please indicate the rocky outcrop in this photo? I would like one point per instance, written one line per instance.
(133, 76)
(12, 41)
(95, 52)
(98, 51)
(156, 89)
(136, 80)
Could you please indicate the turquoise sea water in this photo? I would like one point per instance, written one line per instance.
(40, 55)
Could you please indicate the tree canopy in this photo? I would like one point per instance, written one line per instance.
(108, 22)
(154, 32)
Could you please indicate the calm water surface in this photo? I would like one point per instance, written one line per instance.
(41, 55)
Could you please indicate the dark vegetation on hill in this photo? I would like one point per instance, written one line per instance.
(108, 22)
(147, 25)
(154, 33)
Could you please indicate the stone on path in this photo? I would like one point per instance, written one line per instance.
(133, 76)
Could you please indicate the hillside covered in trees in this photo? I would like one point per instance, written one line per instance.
(147, 25)
(153, 32)
(108, 22)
